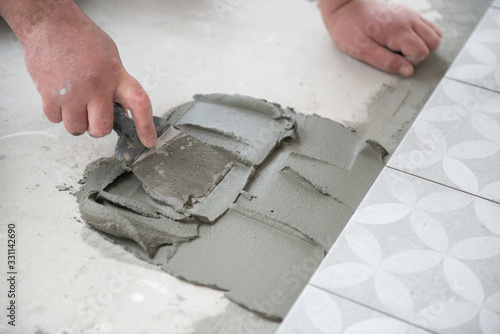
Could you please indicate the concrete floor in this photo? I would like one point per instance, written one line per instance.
(70, 280)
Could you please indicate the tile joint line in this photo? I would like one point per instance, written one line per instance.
(473, 85)
(372, 308)
(444, 185)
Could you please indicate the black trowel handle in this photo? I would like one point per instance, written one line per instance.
(122, 124)
(129, 147)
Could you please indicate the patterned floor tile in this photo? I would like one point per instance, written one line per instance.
(421, 252)
(317, 312)
(455, 140)
(478, 63)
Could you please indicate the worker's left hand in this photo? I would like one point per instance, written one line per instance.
(390, 37)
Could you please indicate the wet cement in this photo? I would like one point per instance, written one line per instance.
(281, 191)
(182, 171)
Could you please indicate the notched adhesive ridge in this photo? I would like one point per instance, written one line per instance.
(274, 223)
(195, 127)
(149, 233)
(258, 127)
(137, 207)
(243, 102)
(290, 172)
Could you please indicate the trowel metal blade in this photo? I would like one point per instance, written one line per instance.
(181, 170)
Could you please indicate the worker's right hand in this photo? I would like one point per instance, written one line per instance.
(78, 72)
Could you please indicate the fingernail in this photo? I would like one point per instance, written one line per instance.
(405, 71)
(151, 141)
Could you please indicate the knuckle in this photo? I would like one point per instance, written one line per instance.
(407, 40)
(144, 127)
(422, 53)
(391, 66)
(391, 45)
(365, 53)
(434, 43)
(53, 113)
(140, 97)
(395, 42)
(400, 26)
(101, 128)
(95, 81)
(116, 66)
(53, 117)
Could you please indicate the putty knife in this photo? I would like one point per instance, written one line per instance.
(180, 171)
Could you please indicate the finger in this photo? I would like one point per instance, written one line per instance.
(75, 120)
(428, 35)
(132, 96)
(386, 60)
(52, 111)
(433, 26)
(412, 47)
(100, 117)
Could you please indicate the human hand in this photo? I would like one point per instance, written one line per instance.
(390, 37)
(77, 70)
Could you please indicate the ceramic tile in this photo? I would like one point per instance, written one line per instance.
(456, 140)
(478, 62)
(496, 3)
(420, 252)
(317, 311)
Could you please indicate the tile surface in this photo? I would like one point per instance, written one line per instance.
(455, 140)
(318, 312)
(496, 3)
(478, 62)
(421, 252)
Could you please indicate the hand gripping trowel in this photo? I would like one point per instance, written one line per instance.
(179, 171)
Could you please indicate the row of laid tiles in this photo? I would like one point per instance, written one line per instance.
(478, 62)
(417, 252)
(320, 312)
(455, 140)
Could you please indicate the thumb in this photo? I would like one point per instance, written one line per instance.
(133, 97)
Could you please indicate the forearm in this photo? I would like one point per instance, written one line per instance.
(26, 16)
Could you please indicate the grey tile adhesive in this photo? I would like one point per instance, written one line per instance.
(257, 224)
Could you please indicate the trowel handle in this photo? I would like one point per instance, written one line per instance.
(122, 124)
(128, 147)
